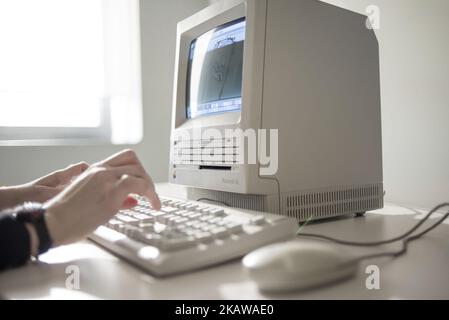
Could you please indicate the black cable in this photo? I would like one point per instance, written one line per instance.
(405, 242)
(436, 224)
(405, 239)
(381, 242)
(393, 254)
(212, 200)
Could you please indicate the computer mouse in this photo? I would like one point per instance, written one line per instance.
(299, 265)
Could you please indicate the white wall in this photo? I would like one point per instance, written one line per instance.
(414, 54)
(158, 38)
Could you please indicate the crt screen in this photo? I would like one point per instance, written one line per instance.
(214, 75)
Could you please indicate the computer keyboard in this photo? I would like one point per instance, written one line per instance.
(187, 235)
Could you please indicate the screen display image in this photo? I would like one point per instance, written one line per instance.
(214, 75)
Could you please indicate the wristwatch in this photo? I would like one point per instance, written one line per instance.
(34, 213)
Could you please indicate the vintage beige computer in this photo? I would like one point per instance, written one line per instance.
(306, 71)
(306, 68)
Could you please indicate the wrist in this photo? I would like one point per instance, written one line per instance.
(54, 228)
(32, 215)
(34, 239)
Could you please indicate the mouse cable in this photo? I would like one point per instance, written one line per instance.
(395, 239)
(405, 242)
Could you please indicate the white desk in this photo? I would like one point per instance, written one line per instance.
(421, 273)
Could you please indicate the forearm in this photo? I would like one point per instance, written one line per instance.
(11, 197)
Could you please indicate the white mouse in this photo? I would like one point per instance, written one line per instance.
(297, 265)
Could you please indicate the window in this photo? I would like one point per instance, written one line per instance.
(69, 71)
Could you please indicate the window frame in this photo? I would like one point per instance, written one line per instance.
(103, 133)
(28, 136)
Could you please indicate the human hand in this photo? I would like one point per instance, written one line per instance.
(42, 189)
(96, 195)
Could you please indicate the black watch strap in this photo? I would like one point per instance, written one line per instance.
(34, 213)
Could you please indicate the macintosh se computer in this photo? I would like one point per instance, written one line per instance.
(306, 68)
(304, 71)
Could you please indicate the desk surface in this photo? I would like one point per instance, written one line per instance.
(421, 273)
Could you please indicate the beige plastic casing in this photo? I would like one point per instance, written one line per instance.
(311, 70)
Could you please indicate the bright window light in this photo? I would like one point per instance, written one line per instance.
(70, 64)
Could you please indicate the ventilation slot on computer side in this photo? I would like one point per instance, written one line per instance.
(302, 205)
(328, 203)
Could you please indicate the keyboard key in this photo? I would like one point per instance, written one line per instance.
(190, 206)
(160, 228)
(126, 219)
(217, 212)
(180, 227)
(174, 203)
(143, 217)
(127, 212)
(182, 205)
(182, 212)
(146, 227)
(258, 220)
(130, 230)
(156, 213)
(206, 218)
(234, 227)
(146, 210)
(113, 223)
(144, 203)
(191, 223)
(164, 218)
(190, 214)
(203, 209)
(200, 225)
(120, 228)
(208, 227)
(180, 220)
(215, 220)
(164, 201)
(203, 236)
(169, 209)
(219, 232)
(190, 231)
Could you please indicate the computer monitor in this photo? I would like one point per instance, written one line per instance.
(305, 74)
(214, 71)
